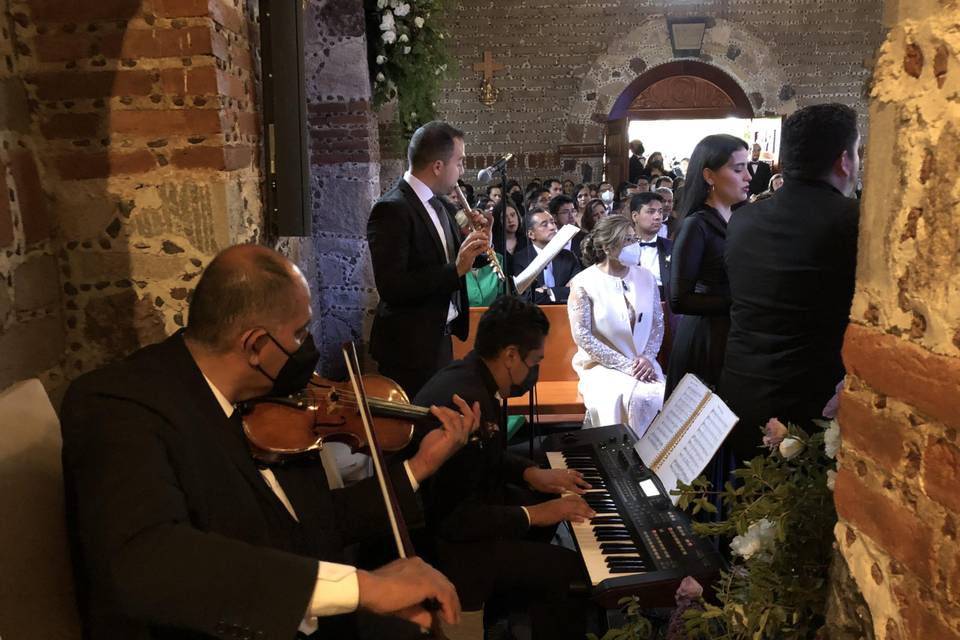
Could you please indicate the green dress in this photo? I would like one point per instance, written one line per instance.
(483, 286)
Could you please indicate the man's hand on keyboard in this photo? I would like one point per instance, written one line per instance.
(570, 507)
(555, 480)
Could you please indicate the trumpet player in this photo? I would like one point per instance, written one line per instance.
(420, 261)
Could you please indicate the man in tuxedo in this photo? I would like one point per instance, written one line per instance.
(636, 163)
(760, 172)
(419, 263)
(493, 533)
(178, 533)
(550, 286)
(791, 260)
(670, 223)
(646, 211)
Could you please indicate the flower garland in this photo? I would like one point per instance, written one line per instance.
(407, 57)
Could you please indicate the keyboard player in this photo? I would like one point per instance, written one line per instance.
(492, 514)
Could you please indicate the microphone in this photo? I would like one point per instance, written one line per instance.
(486, 175)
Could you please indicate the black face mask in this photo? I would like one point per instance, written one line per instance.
(517, 390)
(296, 371)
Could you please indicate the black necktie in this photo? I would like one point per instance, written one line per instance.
(441, 212)
(649, 244)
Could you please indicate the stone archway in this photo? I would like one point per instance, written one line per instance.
(748, 60)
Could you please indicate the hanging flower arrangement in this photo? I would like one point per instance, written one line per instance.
(407, 57)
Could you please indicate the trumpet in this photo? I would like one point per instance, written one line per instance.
(491, 254)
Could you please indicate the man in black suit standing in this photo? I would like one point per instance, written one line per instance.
(419, 263)
(636, 164)
(178, 533)
(550, 287)
(760, 172)
(646, 210)
(791, 260)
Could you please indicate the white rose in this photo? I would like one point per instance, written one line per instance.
(831, 479)
(413, 115)
(419, 22)
(381, 59)
(387, 23)
(831, 439)
(404, 38)
(790, 447)
(406, 50)
(402, 9)
(757, 541)
(389, 37)
(381, 77)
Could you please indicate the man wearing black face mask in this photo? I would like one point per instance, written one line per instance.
(177, 533)
(486, 508)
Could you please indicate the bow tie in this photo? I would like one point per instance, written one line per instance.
(648, 244)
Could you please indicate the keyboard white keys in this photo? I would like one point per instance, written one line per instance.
(605, 545)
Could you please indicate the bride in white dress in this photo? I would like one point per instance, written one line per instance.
(617, 323)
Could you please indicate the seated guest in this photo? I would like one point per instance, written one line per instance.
(593, 211)
(550, 286)
(775, 182)
(538, 198)
(495, 193)
(554, 186)
(646, 211)
(662, 181)
(515, 237)
(642, 186)
(568, 187)
(493, 533)
(617, 323)
(563, 209)
(178, 533)
(669, 220)
(582, 197)
(791, 261)
(513, 187)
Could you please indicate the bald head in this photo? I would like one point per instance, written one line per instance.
(245, 286)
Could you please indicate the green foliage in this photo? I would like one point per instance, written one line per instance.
(407, 57)
(637, 627)
(780, 518)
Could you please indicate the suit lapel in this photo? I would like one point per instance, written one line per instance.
(414, 201)
(713, 219)
(662, 255)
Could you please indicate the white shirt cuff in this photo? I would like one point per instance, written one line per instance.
(553, 296)
(337, 590)
(526, 513)
(413, 481)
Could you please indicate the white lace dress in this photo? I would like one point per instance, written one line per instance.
(613, 320)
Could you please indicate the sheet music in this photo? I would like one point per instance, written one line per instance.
(700, 441)
(548, 253)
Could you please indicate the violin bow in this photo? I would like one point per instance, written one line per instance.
(399, 526)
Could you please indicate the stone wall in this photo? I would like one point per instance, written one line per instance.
(144, 125)
(896, 491)
(566, 63)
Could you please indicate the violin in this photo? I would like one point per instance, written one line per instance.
(326, 411)
(278, 428)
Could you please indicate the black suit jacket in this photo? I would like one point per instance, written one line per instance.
(467, 498)
(664, 249)
(759, 177)
(174, 531)
(636, 169)
(414, 281)
(791, 261)
(565, 266)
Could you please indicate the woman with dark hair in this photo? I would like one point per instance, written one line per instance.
(617, 322)
(593, 211)
(654, 166)
(582, 195)
(516, 236)
(568, 187)
(716, 181)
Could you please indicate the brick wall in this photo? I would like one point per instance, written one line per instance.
(144, 125)
(31, 315)
(567, 62)
(896, 491)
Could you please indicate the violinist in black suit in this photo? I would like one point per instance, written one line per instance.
(760, 172)
(419, 262)
(791, 261)
(493, 533)
(646, 211)
(550, 286)
(176, 533)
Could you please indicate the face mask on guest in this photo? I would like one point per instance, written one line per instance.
(607, 197)
(517, 390)
(630, 254)
(297, 370)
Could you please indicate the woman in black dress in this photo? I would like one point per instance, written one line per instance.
(717, 180)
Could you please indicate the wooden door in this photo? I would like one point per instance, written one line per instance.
(616, 151)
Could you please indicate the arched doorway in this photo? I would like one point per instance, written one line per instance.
(685, 89)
